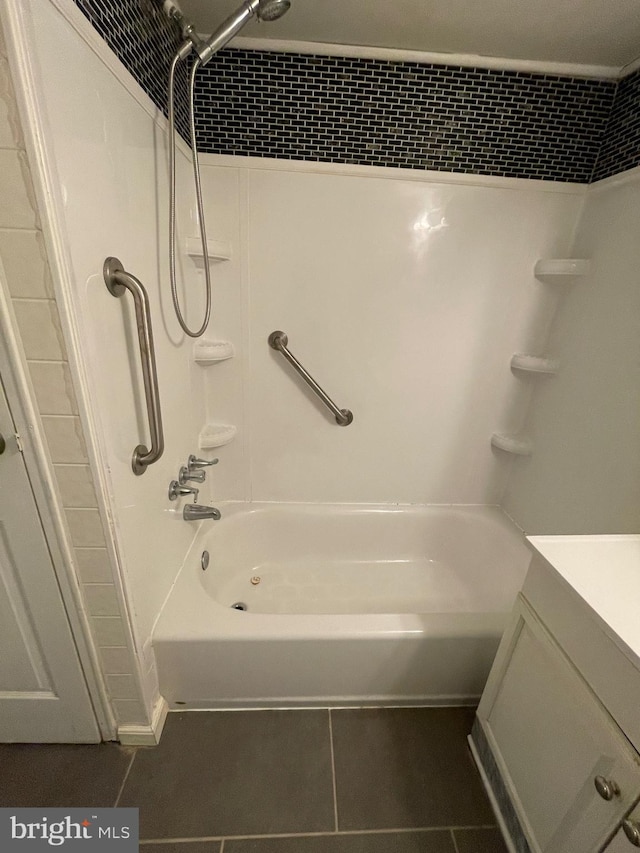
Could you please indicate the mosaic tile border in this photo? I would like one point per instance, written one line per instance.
(375, 112)
(402, 114)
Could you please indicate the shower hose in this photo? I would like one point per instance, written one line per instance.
(172, 199)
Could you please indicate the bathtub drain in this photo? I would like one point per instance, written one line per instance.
(239, 605)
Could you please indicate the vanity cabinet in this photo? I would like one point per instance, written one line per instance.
(562, 771)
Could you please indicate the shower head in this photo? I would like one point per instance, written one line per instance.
(266, 10)
(271, 10)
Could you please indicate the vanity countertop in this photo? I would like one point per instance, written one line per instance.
(605, 572)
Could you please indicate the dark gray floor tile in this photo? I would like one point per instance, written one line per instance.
(406, 767)
(231, 773)
(183, 847)
(61, 776)
(384, 842)
(480, 841)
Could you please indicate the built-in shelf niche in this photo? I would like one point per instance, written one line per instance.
(519, 445)
(561, 269)
(217, 250)
(216, 435)
(535, 363)
(211, 352)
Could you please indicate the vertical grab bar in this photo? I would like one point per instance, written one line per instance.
(118, 280)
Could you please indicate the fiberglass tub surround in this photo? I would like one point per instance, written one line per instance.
(346, 604)
(407, 294)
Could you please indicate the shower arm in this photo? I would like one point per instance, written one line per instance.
(278, 341)
(225, 32)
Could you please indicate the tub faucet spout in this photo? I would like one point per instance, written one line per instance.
(196, 512)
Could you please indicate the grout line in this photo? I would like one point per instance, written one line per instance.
(124, 781)
(222, 847)
(333, 774)
(455, 843)
(342, 832)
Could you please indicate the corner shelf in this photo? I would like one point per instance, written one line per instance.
(517, 444)
(559, 269)
(216, 435)
(535, 363)
(217, 250)
(210, 352)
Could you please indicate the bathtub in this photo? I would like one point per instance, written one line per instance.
(342, 605)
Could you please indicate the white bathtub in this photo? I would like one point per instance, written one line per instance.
(354, 605)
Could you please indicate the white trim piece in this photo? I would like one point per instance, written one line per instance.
(629, 68)
(93, 40)
(233, 161)
(465, 60)
(617, 180)
(132, 735)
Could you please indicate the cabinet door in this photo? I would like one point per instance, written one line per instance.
(551, 738)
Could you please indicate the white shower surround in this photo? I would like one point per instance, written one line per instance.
(354, 605)
(341, 258)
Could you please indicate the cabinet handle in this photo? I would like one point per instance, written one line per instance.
(632, 831)
(607, 788)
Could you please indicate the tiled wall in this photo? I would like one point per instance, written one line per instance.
(417, 116)
(28, 280)
(145, 39)
(621, 146)
(373, 112)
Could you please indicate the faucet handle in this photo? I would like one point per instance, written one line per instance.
(176, 491)
(193, 463)
(191, 474)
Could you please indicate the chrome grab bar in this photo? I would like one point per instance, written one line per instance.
(279, 341)
(117, 280)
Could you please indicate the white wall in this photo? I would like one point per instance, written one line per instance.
(584, 474)
(111, 169)
(405, 297)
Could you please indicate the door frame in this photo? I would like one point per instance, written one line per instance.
(18, 392)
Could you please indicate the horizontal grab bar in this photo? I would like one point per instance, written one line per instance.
(117, 281)
(278, 340)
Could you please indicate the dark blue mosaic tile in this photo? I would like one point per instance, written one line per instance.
(621, 146)
(145, 40)
(401, 114)
(373, 112)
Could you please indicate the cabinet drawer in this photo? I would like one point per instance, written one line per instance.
(620, 843)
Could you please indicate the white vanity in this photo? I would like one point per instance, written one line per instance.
(557, 735)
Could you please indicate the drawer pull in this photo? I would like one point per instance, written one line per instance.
(632, 831)
(607, 788)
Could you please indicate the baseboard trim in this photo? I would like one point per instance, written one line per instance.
(135, 735)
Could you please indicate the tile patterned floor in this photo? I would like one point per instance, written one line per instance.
(308, 781)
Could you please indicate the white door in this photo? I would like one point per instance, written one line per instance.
(43, 695)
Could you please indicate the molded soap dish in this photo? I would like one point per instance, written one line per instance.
(534, 363)
(209, 352)
(217, 250)
(558, 269)
(215, 435)
(517, 444)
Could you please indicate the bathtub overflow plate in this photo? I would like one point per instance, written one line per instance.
(204, 560)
